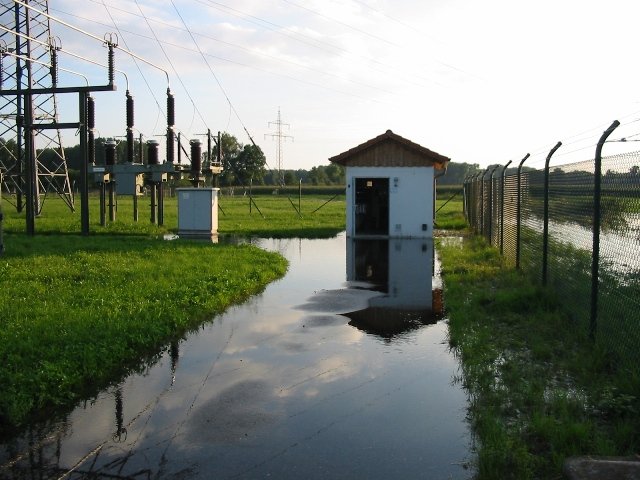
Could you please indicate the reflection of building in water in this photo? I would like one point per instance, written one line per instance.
(403, 271)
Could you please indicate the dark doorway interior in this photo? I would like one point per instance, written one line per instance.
(372, 263)
(372, 206)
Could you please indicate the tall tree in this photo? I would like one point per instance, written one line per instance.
(249, 164)
(230, 147)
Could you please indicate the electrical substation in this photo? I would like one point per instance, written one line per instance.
(29, 126)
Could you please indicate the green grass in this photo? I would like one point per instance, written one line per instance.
(275, 216)
(278, 218)
(77, 313)
(450, 216)
(539, 389)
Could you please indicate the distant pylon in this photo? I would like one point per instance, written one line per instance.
(27, 62)
(280, 136)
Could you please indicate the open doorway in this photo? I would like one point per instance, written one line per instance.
(372, 206)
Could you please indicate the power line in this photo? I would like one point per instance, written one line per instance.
(164, 42)
(246, 49)
(420, 32)
(90, 35)
(315, 43)
(144, 78)
(212, 72)
(171, 64)
(356, 29)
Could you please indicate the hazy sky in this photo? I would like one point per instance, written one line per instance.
(479, 82)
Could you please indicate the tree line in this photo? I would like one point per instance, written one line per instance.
(243, 164)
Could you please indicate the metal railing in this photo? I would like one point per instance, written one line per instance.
(575, 230)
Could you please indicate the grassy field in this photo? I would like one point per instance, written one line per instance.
(449, 215)
(269, 215)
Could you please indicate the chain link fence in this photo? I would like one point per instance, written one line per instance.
(543, 220)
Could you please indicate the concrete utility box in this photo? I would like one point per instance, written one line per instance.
(198, 212)
(390, 187)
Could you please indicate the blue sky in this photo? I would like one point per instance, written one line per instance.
(479, 82)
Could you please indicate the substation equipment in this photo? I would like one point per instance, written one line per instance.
(197, 206)
(21, 172)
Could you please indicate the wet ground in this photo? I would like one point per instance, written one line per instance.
(339, 370)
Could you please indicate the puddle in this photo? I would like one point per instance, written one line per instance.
(339, 370)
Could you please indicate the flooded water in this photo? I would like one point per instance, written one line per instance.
(618, 247)
(339, 370)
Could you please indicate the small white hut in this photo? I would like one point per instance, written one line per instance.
(391, 187)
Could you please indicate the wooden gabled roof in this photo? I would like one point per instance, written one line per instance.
(390, 150)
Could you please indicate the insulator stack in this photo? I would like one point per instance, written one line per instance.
(171, 120)
(130, 148)
(196, 157)
(110, 152)
(171, 109)
(91, 123)
(152, 152)
(111, 64)
(129, 110)
(91, 113)
(53, 69)
(1, 67)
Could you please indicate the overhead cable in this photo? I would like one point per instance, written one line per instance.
(101, 40)
(213, 73)
(246, 49)
(171, 63)
(277, 74)
(135, 62)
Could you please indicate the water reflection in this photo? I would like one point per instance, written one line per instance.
(281, 386)
(402, 269)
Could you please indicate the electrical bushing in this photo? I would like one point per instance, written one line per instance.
(129, 110)
(152, 152)
(110, 152)
(91, 123)
(196, 157)
(91, 113)
(110, 63)
(171, 120)
(171, 109)
(130, 149)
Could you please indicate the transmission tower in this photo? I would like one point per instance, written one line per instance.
(280, 137)
(27, 61)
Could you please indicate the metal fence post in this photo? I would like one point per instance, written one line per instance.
(482, 200)
(490, 236)
(519, 211)
(477, 212)
(504, 171)
(595, 261)
(545, 234)
(465, 192)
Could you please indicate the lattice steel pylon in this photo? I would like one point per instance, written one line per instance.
(27, 48)
(280, 136)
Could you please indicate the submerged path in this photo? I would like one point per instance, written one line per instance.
(317, 377)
